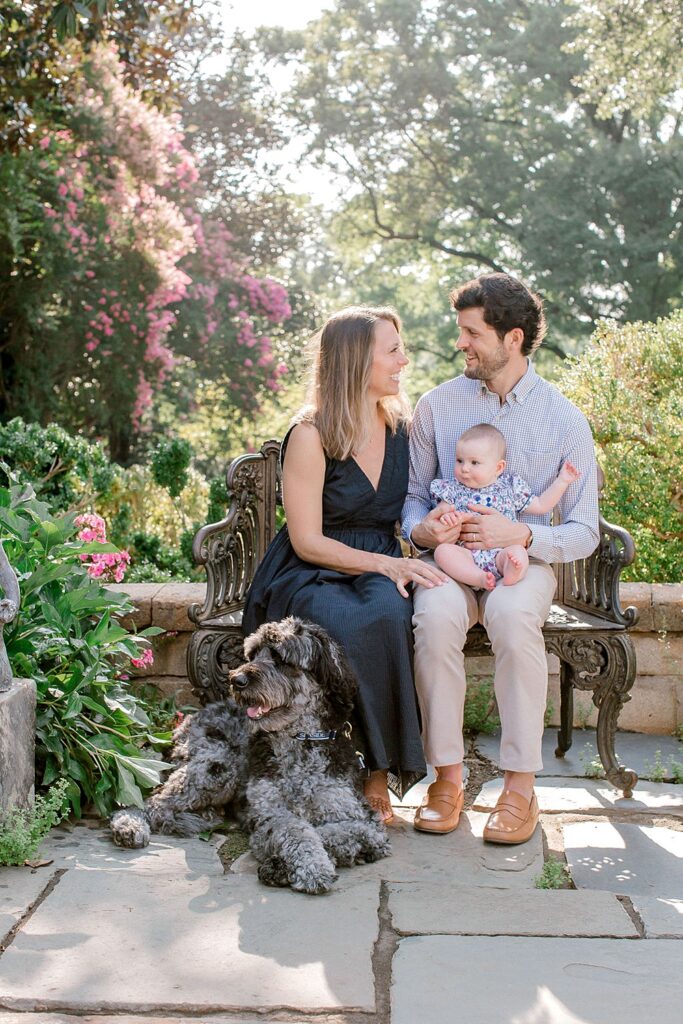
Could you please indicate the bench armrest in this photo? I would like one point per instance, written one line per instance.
(592, 584)
(231, 550)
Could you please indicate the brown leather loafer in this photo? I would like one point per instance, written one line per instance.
(440, 810)
(513, 819)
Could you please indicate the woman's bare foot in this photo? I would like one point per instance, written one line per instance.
(512, 563)
(376, 793)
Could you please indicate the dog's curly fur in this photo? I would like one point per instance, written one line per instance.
(299, 798)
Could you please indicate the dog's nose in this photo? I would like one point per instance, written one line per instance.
(238, 680)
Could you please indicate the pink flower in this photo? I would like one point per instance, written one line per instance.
(146, 658)
(44, 142)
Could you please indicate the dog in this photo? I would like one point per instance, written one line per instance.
(279, 755)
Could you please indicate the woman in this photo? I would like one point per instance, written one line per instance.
(338, 562)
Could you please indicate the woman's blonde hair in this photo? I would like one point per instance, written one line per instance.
(337, 401)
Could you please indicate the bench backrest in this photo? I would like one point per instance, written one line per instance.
(232, 549)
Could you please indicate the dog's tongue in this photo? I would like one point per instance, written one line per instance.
(256, 712)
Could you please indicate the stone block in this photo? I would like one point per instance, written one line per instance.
(193, 944)
(625, 859)
(170, 604)
(516, 980)
(662, 917)
(660, 654)
(170, 656)
(141, 595)
(652, 707)
(667, 606)
(17, 744)
(424, 908)
(171, 686)
(92, 849)
(638, 595)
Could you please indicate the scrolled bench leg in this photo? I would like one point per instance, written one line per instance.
(210, 656)
(610, 696)
(605, 664)
(564, 735)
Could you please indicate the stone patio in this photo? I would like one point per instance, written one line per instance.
(446, 929)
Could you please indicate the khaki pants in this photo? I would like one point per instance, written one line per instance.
(513, 618)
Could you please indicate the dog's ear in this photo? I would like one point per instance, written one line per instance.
(331, 667)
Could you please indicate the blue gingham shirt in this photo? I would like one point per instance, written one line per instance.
(542, 429)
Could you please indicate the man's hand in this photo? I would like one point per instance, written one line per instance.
(486, 528)
(432, 530)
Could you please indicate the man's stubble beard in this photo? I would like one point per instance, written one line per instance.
(487, 369)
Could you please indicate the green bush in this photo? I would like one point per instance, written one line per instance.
(22, 829)
(149, 510)
(629, 383)
(91, 729)
(63, 469)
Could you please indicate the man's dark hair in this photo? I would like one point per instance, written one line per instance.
(506, 304)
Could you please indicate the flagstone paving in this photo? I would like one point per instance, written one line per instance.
(634, 750)
(626, 859)
(589, 795)
(446, 929)
(537, 981)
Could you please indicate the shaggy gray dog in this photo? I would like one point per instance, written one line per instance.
(280, 756)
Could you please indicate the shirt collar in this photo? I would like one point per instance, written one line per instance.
(522, 388)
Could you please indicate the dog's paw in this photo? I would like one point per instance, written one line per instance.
(374, 845)
(273, 871)
(130, 828)
(313, 880)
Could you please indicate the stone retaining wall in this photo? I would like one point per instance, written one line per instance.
(657, 696)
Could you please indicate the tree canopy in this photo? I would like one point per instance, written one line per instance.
(462, 129)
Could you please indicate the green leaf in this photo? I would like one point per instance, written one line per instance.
(128, 793)
(146, 770)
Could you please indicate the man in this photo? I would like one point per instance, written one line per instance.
(501, 325)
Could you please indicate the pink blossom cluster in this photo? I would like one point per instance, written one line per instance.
(116, 206)
(146, 658)
(241, 308)
(105, 565)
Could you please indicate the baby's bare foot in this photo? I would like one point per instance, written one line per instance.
(514, 569)
(489, 581)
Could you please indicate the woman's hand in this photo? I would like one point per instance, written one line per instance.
(410, 570)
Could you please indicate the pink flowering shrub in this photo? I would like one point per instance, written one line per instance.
(127, 275)
(107, 566)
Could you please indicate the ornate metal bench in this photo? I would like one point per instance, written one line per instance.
(586, 629)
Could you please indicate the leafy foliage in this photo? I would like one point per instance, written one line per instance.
(170, 463)
(109, 273)
(633, 53)
(629, 383)
(91, 729)
(458, 129)
(61, 466)
(555, 875)
(22, 829)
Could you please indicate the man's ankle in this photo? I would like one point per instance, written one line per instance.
(450, 773)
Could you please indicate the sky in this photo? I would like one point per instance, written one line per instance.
(249, 14)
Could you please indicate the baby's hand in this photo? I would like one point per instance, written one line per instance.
(450, 518)
(569, 473)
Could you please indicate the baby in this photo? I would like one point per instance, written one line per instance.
(480, 478)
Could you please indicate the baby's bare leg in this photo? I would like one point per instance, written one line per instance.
(460, 566)
(512, 564)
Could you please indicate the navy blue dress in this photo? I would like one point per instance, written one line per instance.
(364, 613)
